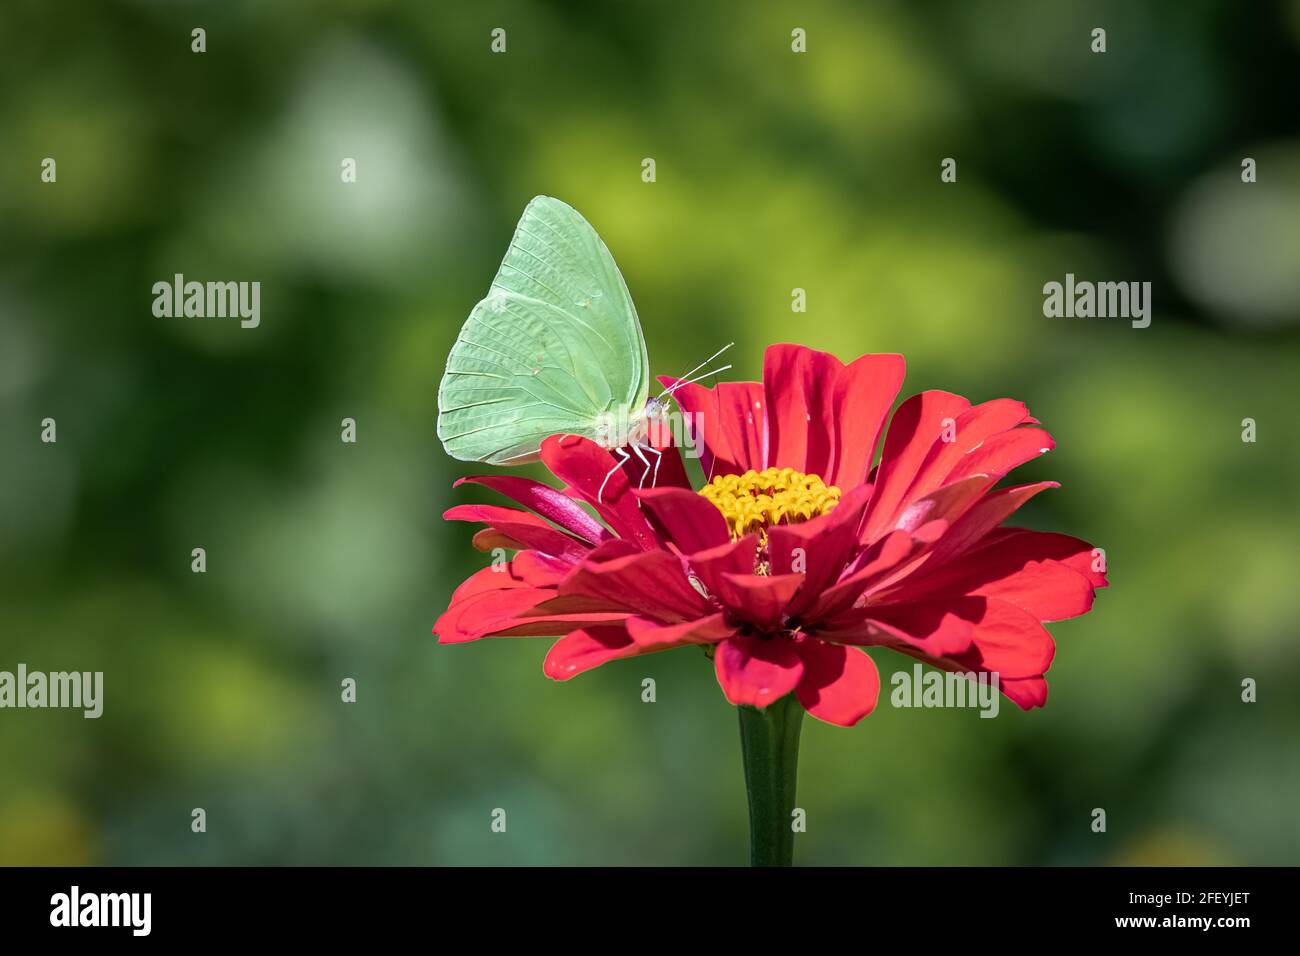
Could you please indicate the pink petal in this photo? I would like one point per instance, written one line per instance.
(523, 527)
(546, 501)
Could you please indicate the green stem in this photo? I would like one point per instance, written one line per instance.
(769, 740)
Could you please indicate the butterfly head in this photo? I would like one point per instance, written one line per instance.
(656, 410)
(647, 424)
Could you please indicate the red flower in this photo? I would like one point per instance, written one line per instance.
(798, 553)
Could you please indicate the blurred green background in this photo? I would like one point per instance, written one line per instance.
(774, 171)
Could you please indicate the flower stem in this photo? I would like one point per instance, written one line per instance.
(769, 741)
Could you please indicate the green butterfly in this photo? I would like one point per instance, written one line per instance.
(555, 348)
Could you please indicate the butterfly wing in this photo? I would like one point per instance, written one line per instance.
(555, 345)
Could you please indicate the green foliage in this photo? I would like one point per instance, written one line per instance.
(775, 170)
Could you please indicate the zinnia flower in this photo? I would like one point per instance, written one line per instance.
(797, 553)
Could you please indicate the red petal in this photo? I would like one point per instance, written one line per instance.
(760, 599)
(936, 629)
(1026, 694)
(880, 568)
(689, 520)
(757, 671)
(1002, 453)
(1012, 642)
(583, 650)
(799, 386)
(495, 577)
(735, 557)
(489, 539)
(487, 612)
(971, 428)
(864, 392)
(980, 519)
(650, 636)
(1005, 640)
(876, 562)
(915, 428)
(582, 465)
(744, 423)
(610, 550)
(541, 570)
(840, 685)
(824, 545)
(1022, 569)
(593, 646)
(650, 583)
(485, 603)
(1077, 555)
(1001, 637)
(797, 417)
(939, 509)
(731, 425)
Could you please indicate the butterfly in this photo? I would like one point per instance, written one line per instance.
(554, 348)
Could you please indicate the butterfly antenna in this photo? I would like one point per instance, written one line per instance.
(682, 381)
(692, 381)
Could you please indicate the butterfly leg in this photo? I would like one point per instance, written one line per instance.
(621, 463)
(641, 457)
(659, 460)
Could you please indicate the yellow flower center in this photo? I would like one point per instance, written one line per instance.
(757, 500)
